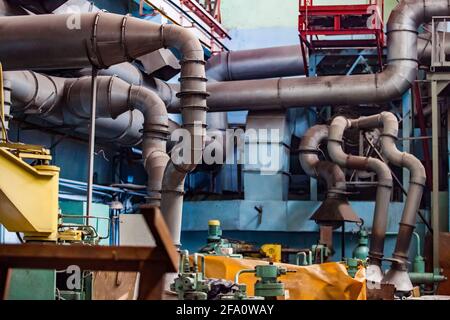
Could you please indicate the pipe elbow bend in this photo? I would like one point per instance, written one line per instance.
(337, 154)
(156, 158)
(173, 179)
(416, 169)
(183, 40)
(382, 171)
(395, 80)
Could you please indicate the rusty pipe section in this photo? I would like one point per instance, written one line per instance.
(117, 97)
(309, 160)
(337, 154)
(387, 120)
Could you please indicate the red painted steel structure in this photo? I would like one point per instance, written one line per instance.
(323, 21)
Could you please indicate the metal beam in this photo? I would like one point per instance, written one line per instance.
(435, 153)
(90, 180)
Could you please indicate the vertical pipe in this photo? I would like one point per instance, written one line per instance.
(91, 143)
(407, 113)
(343, 240)
(435, 195)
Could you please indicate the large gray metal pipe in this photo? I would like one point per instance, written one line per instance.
(64, 101)
(104, 39)
(337, 154)
(252, 64)
(398, 274)
(116, 97)
(193, 101)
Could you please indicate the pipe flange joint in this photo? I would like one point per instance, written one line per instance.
(340, 141)
(199, 78)
(187, 61)
(421, 183)
(308, 151)
(96, 59)
(184, 93)
(401, 27)
(376, 256)
(407, 225)
(123, 38)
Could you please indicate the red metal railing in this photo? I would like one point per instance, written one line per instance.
(316, 23)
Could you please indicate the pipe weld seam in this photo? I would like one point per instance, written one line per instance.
(161, 36)
(402, 224)
(36, 91)
(309, 151)
(340, 141)
(97, 61)
(193, 78)
(123, 39)
(188, 61)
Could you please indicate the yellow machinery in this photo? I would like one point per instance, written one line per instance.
(273, 251)
(28, 192)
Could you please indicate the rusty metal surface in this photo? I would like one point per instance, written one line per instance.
(45, 256)
(113, 285)
(357, 163)
(326, 235)
(385, 292)
(335, 210)
(444, 261)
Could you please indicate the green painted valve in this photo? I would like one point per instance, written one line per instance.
(214, 231)
(268, 286)
(361, 251)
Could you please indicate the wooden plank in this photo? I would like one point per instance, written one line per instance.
(161, 234)
(444, 261)
(5, 276)
(116, 285)
(49, 256)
